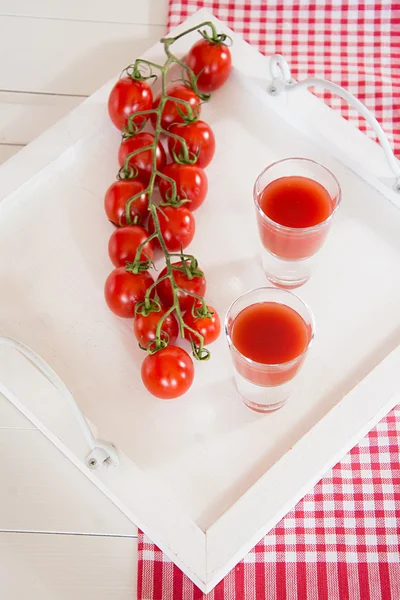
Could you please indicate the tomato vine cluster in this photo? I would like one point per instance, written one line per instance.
(172, 158)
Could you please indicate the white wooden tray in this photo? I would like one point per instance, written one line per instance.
(203, 476)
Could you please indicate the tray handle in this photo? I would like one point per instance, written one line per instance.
(102, 453)
(282, 81)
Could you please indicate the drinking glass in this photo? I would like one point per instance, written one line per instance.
(288, 253)
(266, 387)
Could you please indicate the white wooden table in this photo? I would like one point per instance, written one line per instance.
(60, 538)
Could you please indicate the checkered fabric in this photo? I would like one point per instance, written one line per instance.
(355, 44)
(342, 541)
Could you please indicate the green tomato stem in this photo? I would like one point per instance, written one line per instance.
(161, 321)
(192, 80)
(173, 195)
(184, 150)
(169, 41)
(199, 351)
(129, 204)
(142, 245)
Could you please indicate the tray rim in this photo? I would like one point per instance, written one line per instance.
(206, 557)
(203, 556)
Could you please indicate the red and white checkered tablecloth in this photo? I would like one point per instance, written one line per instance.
(354, 44)
(342, 541)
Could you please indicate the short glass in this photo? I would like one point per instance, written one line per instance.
(266, 387)
(288, 253)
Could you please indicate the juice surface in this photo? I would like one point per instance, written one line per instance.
(296, 202)
(270, 333)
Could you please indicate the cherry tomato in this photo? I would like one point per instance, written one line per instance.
(213, 61)
(129, 96)
(168, 373)
(209, 328)
(145, 327)
(143, 160)
(177, 227)
(199, 139)
(170, 113)
(118, 195)
(125, 241)
(191, 183)
(196, 285)
(123, 290)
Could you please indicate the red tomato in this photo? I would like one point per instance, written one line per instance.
(191, 183)
(143, 160)
(129, 96)
(170, 113)
(168, 373)
(196, 285)
(209, 328)
(177, 227)
(117, 197)
(214, 61)
(123, 290)
(145, 327)
(199, 139)
(125, 241)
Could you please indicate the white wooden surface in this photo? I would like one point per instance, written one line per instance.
(59, 536)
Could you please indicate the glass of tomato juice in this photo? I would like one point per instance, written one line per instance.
(269, 332)
(295, 201)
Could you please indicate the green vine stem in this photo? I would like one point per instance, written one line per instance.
(188, 264)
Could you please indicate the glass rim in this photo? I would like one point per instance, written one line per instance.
(286, 228)
(254, 363)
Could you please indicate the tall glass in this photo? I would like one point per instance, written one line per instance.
(288, 252)
(266, 387)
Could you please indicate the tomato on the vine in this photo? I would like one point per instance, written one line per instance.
(145, 327)
(200, 142)
(212, 62)
(177, 112)
(208, 327)
(191, 183)
(177, 227)
(142, 162)
(195, 285)
(117, 196)
(168, 373)
(124, 243)
(123, 290)
(129, 96)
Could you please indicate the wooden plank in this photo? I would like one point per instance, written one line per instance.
(128, 486)
(153, 12)
(49, 567)
(42, 491)
(7, 151)
(24, 116)
(68, 57)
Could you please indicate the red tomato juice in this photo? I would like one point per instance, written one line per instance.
(269, 333)
(298, 203)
